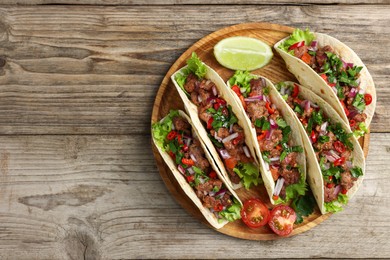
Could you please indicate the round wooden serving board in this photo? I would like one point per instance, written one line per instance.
(167, 98)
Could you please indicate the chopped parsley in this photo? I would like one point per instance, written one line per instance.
(359, 102)
(356, 172)
(222, 119)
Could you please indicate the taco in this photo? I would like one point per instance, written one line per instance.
(334, 157)
(219, 122)
(193, 167)
(334, 72)
(275, 136)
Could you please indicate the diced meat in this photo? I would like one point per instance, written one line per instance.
(203, 114)
(275, 115)
(257, 110)
(237, 128)
(180, 123)
(347, 180)
(291, 159)
(209, 202)
(206, 85)
(256, 87)
(205, 95)
(233, 176)
(196, 150)
(274, 153)
(329, 194)
(360, 118)
(191, 83)
(346, 154)
(328, 48)
(298, 52)
(209, 185)
(225, 200)
(327, 145)
(321, 57)
(223, 132)
(200, 194)
(307, 112)
(194, 97)
(276, 136)
(290, 176)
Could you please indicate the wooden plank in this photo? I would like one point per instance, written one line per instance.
(188, 2)
(95, 70)
(101, 197)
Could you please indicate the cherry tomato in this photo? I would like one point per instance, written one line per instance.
(254, 213)
(231, 162)
(296, 45)
(209, 126)
(306, 58)
(367, 99)
(188, 162)
(313, 136)
(339, 161)
(295, 91)
(172, 134)
(282, 220)
(269, 108)
(339, 146)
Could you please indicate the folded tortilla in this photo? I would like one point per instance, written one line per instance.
(314, 173)
(296, 138)
(310, 79)
(189, 191)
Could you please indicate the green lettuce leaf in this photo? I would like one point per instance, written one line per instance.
(303, 206)
(249, 174)
(335, 206)
(161, 129)
(361, 130)
(232, 212)
(242, 79)
(297, 36)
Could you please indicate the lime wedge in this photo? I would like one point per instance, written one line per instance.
(242, 53)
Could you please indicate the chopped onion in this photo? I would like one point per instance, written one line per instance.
(314, 45)
(358, 81)
(289, 90)
(352, 92)
(282, 90)
(265, 98)
(199, 99)
(224, 154)
(334, 154)
(173, 126)
(272, 123)
(273, 106)
(231, 128)
(219, 139)
(349, 164)
(274, 159)
(269, 134)
(215, 91)
(230, 137)
(193, 157)
(307, 105)
(254, 98)
(361, 91)
(323, 127)
(337, 189)
(263, 83)
(246, 151)
(211, 193)
(221, 192)
(188, 141)
(190, 170)
(202, 180)
(266, 165)
(278, 186)
(350, 65)
(181, 169)
(334, 90)
(313, 105)
(329, 157)
(326, 166)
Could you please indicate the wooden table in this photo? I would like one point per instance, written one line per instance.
(77, 85)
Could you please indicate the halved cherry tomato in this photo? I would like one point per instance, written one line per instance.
(262, 135)
(190, 178)
(209, 126)
(339, 161)
(339, 146)
(367, 99)
(254, 213)
(269, 108)
(306, 58)
(213, 175)
(172, 134)
(236, 90)
(274, 172)
(295, 91)
(296, 45)
(352, 123)
(218, 207)
(188, 162)
(313, 136)
(231, 162)
(282, 220)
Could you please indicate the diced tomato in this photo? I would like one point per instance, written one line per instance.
(306, 58)
(367, 99)
(243, 102)
(220, 101)
(188, 162)
(295, 91)
(262, 135)
(330, 178)
(172, 134)
(278, 147)
(332, 84)
(352, 123)
(179, 139)
(324, 77)
(237, 139)
(269, 108)
(304, 121)
(339, 146)
(282, 220)
(254, 213)
(330, 185)
(313, 136)
(274, 172)
(216, 106)
(209, 126)
(190, 178)
(231, 162)
(213, 175)
(296, 45)
(173, 156)
(218, 207)
(339, 161)
(236, 90)
(185, 148)
(345, 108)
(344, 191)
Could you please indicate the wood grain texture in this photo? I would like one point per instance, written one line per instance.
(69, 197)
(96, 70)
